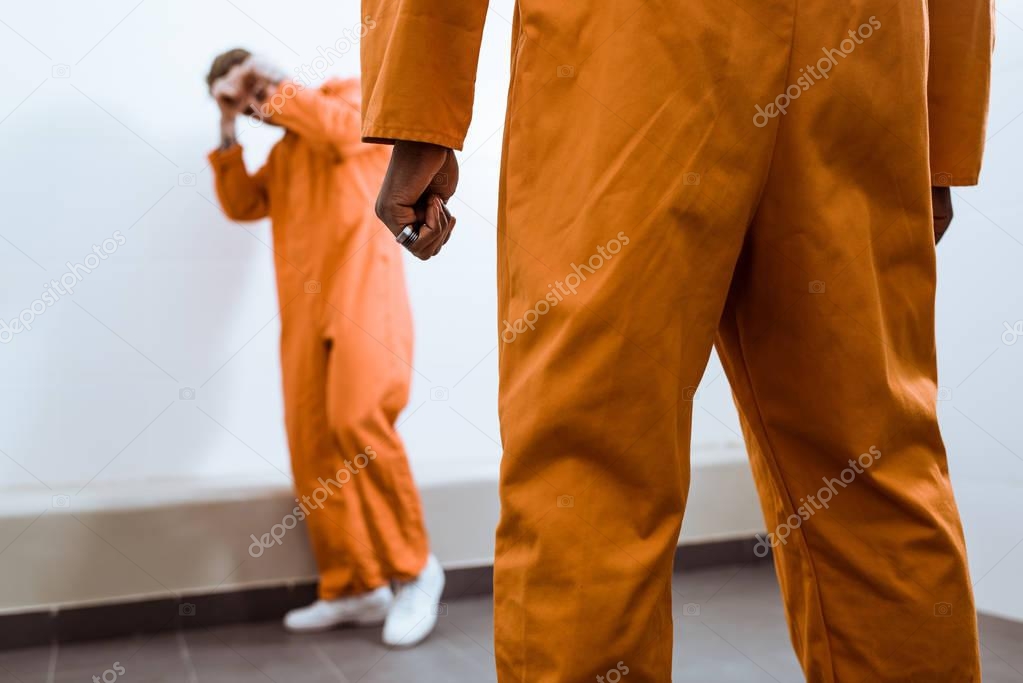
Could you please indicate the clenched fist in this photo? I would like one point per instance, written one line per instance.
(419, 181)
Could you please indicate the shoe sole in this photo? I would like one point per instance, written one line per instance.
(405, 644)
(351, 623)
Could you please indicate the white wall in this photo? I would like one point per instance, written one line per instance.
(981, 289)
(92, 391)
(188, 300)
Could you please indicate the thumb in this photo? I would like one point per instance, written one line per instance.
(445, 181)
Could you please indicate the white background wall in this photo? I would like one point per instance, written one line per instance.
(92, 392)
(980, 289)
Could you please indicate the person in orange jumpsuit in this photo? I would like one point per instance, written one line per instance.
(346, 345)
(752, 175)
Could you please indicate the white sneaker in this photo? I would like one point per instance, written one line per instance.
(416, 606)
(368, 609)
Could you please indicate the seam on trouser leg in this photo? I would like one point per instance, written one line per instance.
(777, 127)
(756, 419)
(503, 268)
(757, 422)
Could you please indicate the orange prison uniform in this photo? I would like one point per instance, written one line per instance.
(346, 335)
(704, 208)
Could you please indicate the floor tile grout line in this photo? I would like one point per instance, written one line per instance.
(51, 672)
(186, 657)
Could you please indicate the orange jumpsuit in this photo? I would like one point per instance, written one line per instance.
(346, 335)
(704, 208)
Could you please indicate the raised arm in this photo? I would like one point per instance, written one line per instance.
(242, 196)
(330, 116)
(962, 37)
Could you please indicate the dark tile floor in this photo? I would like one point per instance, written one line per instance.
(737, 636)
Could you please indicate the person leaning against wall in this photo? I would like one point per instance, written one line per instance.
(773, 176)
(346, 345)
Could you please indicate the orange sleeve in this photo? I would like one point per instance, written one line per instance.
(419, 69)
(959, 83)
(318, 116)
(243, 197)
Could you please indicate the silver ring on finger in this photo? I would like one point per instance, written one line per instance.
(408, 236)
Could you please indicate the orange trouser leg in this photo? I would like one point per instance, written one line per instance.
(628, 184)
(343, 393)
(636, 123)
(828, 340)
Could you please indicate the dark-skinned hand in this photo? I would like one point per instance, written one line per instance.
(941, 198)
(420, 179)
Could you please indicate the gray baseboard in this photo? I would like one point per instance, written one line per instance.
(262, 604)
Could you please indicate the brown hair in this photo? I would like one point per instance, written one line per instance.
(224, 63)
